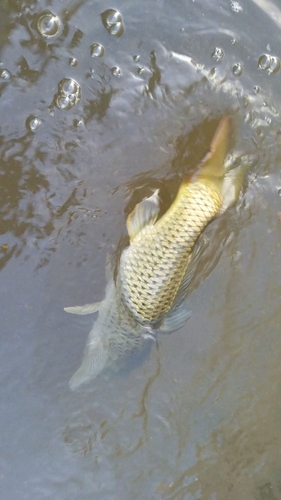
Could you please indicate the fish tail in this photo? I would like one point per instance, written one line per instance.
(93, 363)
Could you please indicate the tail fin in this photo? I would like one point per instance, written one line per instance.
(93, 363)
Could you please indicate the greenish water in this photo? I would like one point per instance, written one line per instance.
(97, 108)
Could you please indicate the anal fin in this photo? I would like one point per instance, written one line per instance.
(191, 269)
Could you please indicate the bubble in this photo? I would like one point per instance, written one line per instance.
(97, 50)
(113, 22)
(279, 192)
(5, 74)
(113, 17)
(49, 25)
(72, 61)
(264, 62)
(275, 64)
(256, 89)
(69, 86)
(116, 29)
(218, 54)
(33, 123)
(69, 94)
(63, 102)
(116, 71)
(268, 63)
(79, 123)
(236, 7)
(136, 58)
(237, 69)
(140, 70)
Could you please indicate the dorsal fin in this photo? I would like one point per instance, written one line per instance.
(144, 213)
(212, 165)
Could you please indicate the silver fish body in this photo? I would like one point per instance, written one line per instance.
(115, 333)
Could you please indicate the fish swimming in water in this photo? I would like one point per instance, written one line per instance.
(156, 269)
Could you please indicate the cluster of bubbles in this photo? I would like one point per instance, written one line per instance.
(268, 63)
(235, 6)
(113, 22)
(69, 91)
(218, 55)
(49, 25)
(140, 69)
(69, 94)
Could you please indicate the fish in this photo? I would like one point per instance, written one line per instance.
(155, 270)
(158, 265)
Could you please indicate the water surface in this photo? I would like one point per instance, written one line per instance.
(97, 108)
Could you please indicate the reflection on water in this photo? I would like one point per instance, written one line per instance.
(100, 104)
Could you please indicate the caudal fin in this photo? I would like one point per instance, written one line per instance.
(92, 364)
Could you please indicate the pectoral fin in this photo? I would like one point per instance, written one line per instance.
(144, 213)
(86, 309)
(233, 181)
(175, 319)
(190, 272)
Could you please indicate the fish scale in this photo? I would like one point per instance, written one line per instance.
(153, 268)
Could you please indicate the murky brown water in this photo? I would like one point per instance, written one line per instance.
(98, 107)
